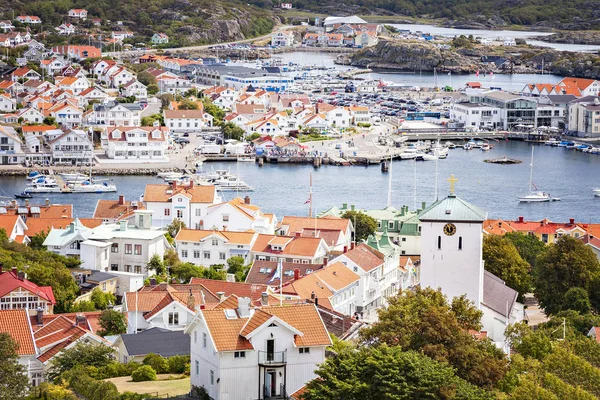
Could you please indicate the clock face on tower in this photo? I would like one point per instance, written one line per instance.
(449, 229)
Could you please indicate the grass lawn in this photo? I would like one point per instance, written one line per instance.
(173, 387)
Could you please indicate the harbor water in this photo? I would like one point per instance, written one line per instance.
(283, 189)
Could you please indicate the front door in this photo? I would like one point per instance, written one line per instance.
(270, 349)
(271, 383)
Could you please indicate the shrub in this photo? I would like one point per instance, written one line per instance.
(49, 391)
(144, 373)
(364, 124)
(157, 362)
(178, 364)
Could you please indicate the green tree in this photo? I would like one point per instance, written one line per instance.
(146, 78)
(235, 265)
(171, 258)
(112, 322)
(174, 227)
(82, 354)
(213, 110)
(49, 121)
(184, 272)
(37, 241)
(577, 299)
(143, 373)
(503, 260)
(567, 264)
(527, 342)
(156, 265)
(13, 376)
(83, 306)
(48, 391)
(232, 131)
(423, 320)
(382, 372)
(157, 362)
(102, 299)
(528, 246)
(152, 88)
(364, 225)
(166, 99)
(187, 104)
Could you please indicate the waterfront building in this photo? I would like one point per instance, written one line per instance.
(587, 87)
(72, 147)
(584, 117)
(112, 113)
(366, 39)
(475, 115)
(336, 232)
(10, 145)
(186, 203)
(451, 259)
(138, 144)
(66, 114)
(512, 109)
(213, 247)
(16, 292)
(282, 38)
(238, 77)
(264, 352)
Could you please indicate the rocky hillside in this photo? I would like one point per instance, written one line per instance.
(185, 21)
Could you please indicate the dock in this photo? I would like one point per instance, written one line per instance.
(61, 183)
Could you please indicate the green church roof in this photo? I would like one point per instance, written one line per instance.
(453, 208)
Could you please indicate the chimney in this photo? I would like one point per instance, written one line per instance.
(191, 186)
(325, 260)
(298, 234)
(296, 274)
(345, 249)
(520, 219)
(312, 296)
(191, 302)
(152, 281)
(264, 299)
(221, 296)
(316, 301)
(572, 221)
(39, 316)
(499, 224)
(352, 244)
(15, 271)
(80, 320)
(47, 201)
(247, 200)
(14, 203)
(244, 307)
(121, 200)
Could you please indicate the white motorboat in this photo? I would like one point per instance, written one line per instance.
(485, 147)
(426, 157)
(409, 153)
(43, 187)
(450, 145)
(76, 177)
(552, 142)
(534, 196)
(35, 175)
(596, 192)
(89, 187)
(231, 183)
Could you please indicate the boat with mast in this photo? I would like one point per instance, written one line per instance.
(534, 196)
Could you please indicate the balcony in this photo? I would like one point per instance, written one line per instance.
(272, 358)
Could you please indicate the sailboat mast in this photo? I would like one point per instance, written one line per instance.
(389, 196)
(531, 170)
(415, 184)
(436, 153)
(310, 198)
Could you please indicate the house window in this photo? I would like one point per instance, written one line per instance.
(137, 269)
(212, 377)
(128, 268)
(173, 318)
(137, 249)
(167, 212)
(404, 239)
(196, 253)
(207, 255)
(114, 248)
(272, 258)
(439, 244)
(225, 218)
(179, 214)
(222, 256)
(204, 339)
(460, 242)
(304, 350)
(391, 225)
(195, 337)
(198, 212)
(128, 249)
(197, 367)
(114, 267)
(215, 242)
(239, 354)
(184, 254)
(304, 261)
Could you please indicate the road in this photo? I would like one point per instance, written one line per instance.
(276, 29)
(154, 106)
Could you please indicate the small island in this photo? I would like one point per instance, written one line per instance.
(503, 160)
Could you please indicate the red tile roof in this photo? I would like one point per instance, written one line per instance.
(9, 282)
(253, 291)
(261, 272)
(365, 257)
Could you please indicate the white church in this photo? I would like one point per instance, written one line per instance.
(451, 259)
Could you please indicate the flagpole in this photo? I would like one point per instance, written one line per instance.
(310, 198)
(280, 280)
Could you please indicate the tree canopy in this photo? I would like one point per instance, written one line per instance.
(503, 260)
(528, 246)
(364, 225)
(112, 322)
(565, 265)
(84, 354)
(13, 376)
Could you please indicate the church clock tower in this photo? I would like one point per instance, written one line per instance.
(451, 247)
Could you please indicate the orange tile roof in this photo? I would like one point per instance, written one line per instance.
(337, 276)
(253, 291)
(256, 320)
(92, 318)
(224, 332)
(144, 301)
(297, 224)
(114, 209)
(16, 324)
(38, 225)
(580, 83)
(307, 286)
(8, 222)
(298, 246)
(306, 319)
(198, 194)
(269, 269)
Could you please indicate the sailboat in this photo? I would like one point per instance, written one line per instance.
(534, 196)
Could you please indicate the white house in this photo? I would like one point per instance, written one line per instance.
(65, 29)
(451, 259)
(29, 19)
(73, 83)
(52, 65)
(67, 114)
(365, 39)
(187, 120)
(73, 147)
(112, 113)
(261, 353)
(213, 247)
(476, 115)
(186, 203)
(135, 88)
(121, 35)
(336, 232)
(282, 38)
(78, 13)
(238, 215)
(159, 38)
(298, 249)
(10, 144)
(144, 143)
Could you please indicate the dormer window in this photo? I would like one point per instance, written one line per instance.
(116, 135)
